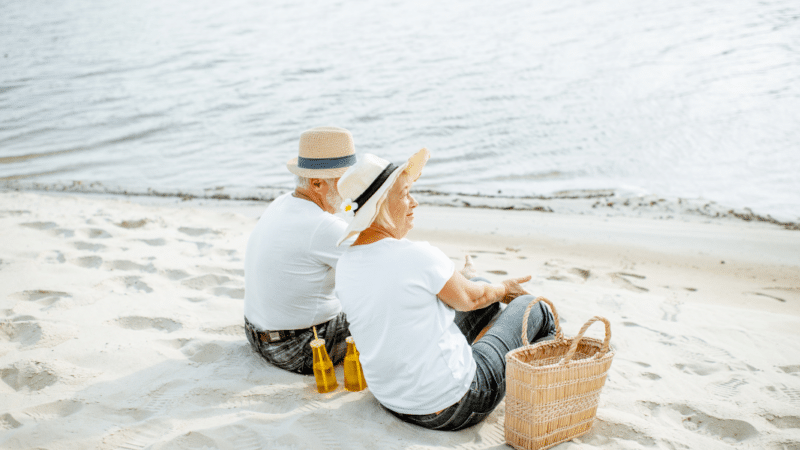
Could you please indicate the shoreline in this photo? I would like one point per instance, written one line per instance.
(603, 202)
(121, 327)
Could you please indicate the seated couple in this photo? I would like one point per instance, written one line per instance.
(413, 316)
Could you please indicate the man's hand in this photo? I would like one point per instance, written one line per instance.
(469, 271)
(513, 288)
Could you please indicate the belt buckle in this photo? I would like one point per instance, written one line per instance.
(274, 336)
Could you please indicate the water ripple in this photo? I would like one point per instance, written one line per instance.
(678, 99)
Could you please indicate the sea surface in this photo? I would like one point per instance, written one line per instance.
(679, 99)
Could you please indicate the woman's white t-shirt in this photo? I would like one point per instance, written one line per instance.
(415, 359)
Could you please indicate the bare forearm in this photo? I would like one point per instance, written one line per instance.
(484, 294)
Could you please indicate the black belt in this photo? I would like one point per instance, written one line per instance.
(271, 337)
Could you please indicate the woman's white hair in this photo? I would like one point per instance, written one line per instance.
(383, 218)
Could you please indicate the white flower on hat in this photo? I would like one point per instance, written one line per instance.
(349, 207)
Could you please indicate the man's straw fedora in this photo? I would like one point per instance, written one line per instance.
(364, 186)
(325, 152)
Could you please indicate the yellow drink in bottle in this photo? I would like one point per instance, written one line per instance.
(353, 374)
(323, 367)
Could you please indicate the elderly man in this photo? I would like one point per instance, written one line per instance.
(291, 258)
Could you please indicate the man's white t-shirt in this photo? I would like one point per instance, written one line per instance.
(289, 266)
(415, 359)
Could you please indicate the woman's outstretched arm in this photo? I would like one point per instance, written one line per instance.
(462, 294)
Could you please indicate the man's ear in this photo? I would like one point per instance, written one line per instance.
(315, 183)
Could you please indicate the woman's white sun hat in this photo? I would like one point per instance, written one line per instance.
(364, 185)
(325, 152)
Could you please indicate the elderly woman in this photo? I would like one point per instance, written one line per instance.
(413, 316)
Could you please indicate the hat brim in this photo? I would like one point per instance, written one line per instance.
(367, 213)
(315, 173)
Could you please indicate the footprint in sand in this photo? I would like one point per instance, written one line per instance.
(197, 231)
(40, 296)
(785, 422)
(154, 242)
(602, 430)
(132, 223)
(50, 227)
(215, 281)
(88, 262)
(670, 310)
(583, 273)
(51, 257)
(174, 274)
(621, 279)
(784, 393)
(726, 390)
(134, 284)
(95, 233)
(205, 281)
(200, 352)
(54, 410)
(26, 332)
(234, 293)
(39, 225)
(192, 439)
(166, 396)
(13, 212)
(143, 323)
(140, 435)
(8, 422)
(88, 246)
(790, 369)
(129, 265)
(226, 252)
(31, 374)
(730, 431)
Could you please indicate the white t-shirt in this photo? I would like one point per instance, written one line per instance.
(289, 266)
(415, 359)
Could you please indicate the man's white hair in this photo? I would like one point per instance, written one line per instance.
(333, 197)
(305, 183)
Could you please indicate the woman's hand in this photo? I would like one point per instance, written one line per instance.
(513, 288)
(469, 271)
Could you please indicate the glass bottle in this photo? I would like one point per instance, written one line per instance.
(323, 367)
(353, 374)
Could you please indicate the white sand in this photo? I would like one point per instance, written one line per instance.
(121, 327)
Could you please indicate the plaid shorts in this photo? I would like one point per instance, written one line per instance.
(294, 354)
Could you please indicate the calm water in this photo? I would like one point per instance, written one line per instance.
(677, 98)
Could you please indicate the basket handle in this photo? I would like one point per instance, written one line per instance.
(559, 334)
(574, 347)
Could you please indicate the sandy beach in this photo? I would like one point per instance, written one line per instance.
(121, 327)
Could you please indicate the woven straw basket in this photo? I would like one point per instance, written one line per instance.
(552, 388)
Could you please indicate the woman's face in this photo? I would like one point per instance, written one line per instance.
(401, 206)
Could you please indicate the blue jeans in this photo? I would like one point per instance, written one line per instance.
(489, 385)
